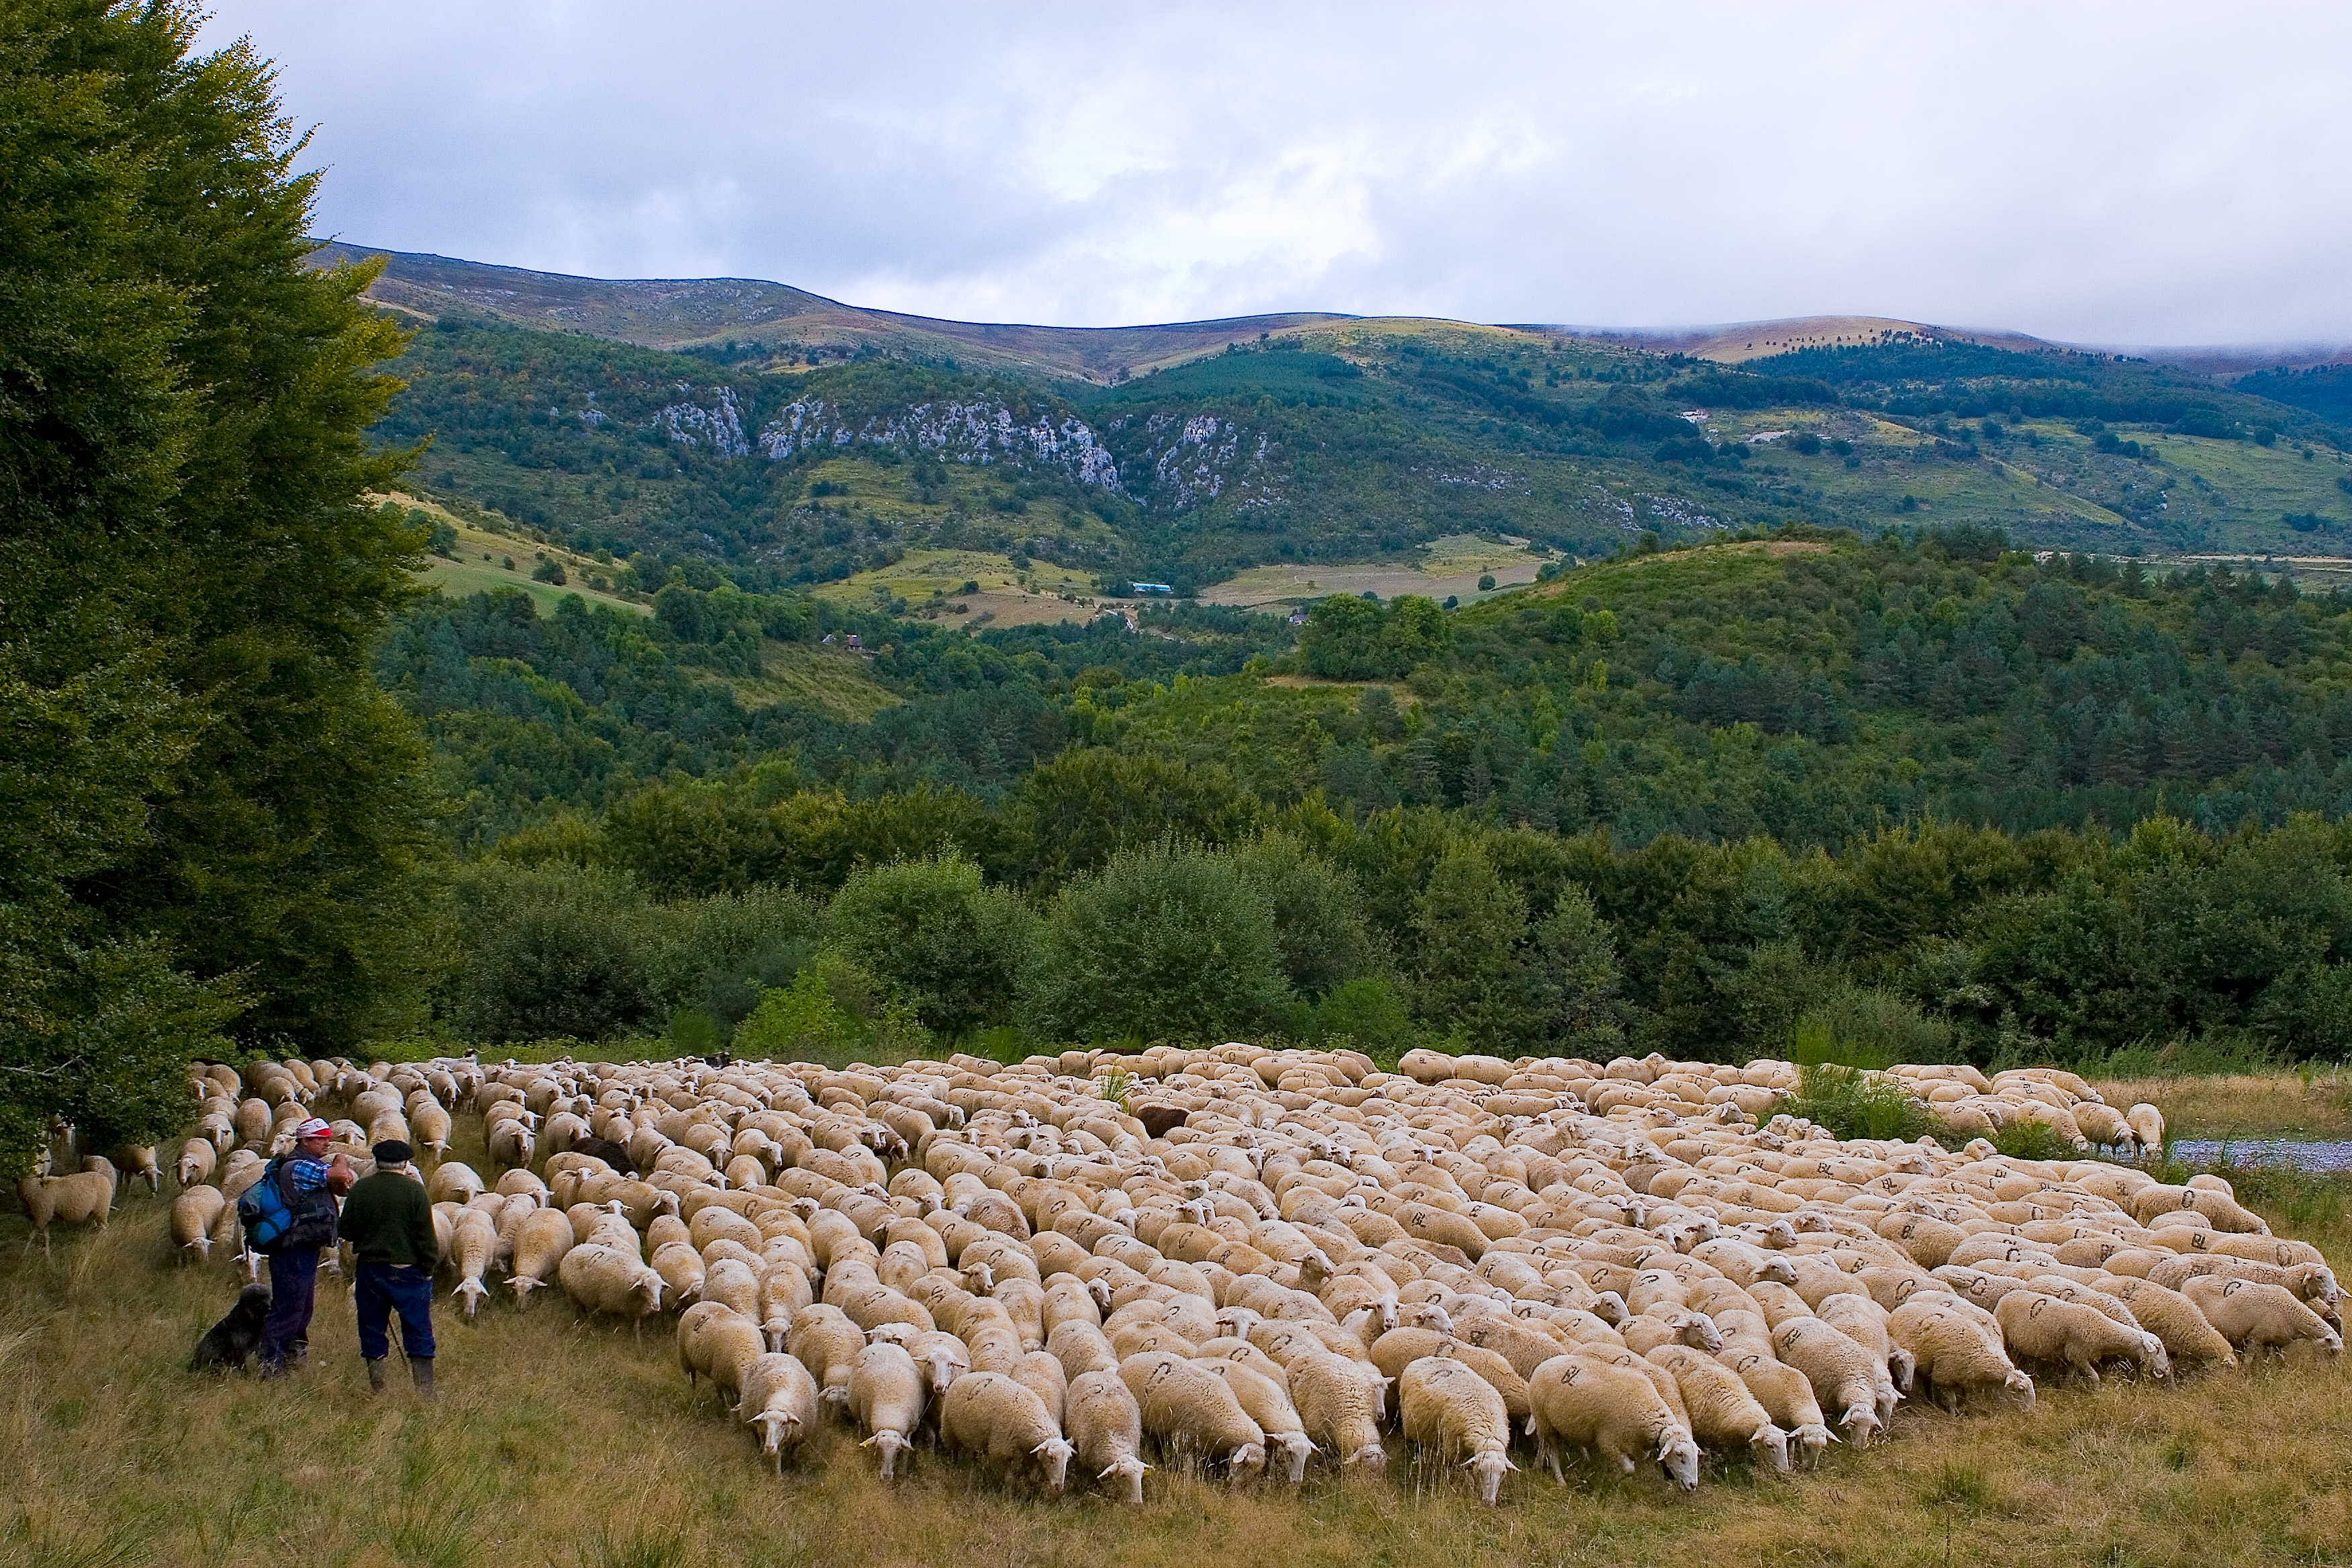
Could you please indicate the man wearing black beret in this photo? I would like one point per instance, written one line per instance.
(388, 1220)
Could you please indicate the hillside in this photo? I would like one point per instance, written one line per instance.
(1298, 441)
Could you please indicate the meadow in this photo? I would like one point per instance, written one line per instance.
(560, 1440)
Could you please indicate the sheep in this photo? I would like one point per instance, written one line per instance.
(780, 1398)
(1081, 1348)
(827, 1344)
(429, 1125)
(680, 1266)
(694, 1330)
(194, 1212)
(1339, 1404)
(1105, 1426)
(2253, 1315)
(197, 1158)
(1953, 1352)
(990, 1415)
(1452, 1409)
(1400, 1347)
(540, 1239)
(1787, 1394)
(2173, 1318)
(731, 1281)
(605, 1279)
(886, 1398)
(474, 1241)
(453, 1182)
(1042, 1375)
(2038, 1327)
(1722, 1412)
(1191, 1409)
(86, 1198)
(1845, 1378)
(1266, 1401)
(1614, 1411)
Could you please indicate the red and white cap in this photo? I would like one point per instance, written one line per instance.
(312, 1128)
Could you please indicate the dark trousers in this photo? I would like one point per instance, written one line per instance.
(383, 1289)
(293, 1287)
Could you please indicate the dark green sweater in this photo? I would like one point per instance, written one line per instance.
(388, 1219)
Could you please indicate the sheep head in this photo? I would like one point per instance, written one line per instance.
(1245, 1462)
(1678, 1457)
(1773, 1444)
(1297, 1447)
(889, 1442)
(470, 1292)
(1132, 1468)
(1053, 1456)
(1370, 1460)
(1489, 1467)
(1811, 1440)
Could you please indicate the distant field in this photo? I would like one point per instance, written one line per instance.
(481, 563)
(2265, 1105)
(1450, 566)
(931, 581)
(833, 678)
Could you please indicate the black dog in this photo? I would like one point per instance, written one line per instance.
(614, 1154)
(228, 1344)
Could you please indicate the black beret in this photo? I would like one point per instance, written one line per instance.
(392, 1152)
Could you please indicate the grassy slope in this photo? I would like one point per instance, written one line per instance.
(560, 1440)
(2268, 1105)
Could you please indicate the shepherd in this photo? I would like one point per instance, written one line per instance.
(289, 1218)
(389, 1222)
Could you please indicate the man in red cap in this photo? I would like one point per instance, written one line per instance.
(308, 1183)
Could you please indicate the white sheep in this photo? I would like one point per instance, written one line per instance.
(779, 1398)
(1786, 1394)
(2255, 1316)
(196, 1163)
(1722, 1412)
(1846, 1377)
(989, 1415)
(886, 1398)
(194, 1212)
(2188, 1334)
(1456, 1413)
(1341, 1405)
(474, 1241)
(1190, 1409)
(1105, 1426)
(2038, 1327)
(605, 1279)
(827, 1344)
(1266, 1399)
(542, 1238)
(1613, 1411)
(85, 1198)
(1954, 1351)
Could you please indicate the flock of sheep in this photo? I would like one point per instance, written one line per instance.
(1245, 1259)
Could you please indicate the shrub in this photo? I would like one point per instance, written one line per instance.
(1319, 921)
(834, 1013)
(1168, 942)
(932, 929)
(553, 950)
(1367, 1014)
(2032, 1141)
(1852, 1103)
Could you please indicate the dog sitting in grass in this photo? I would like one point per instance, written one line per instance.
(227, 1344)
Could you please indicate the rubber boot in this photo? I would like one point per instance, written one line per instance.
(375, 1375)
(421, 1369)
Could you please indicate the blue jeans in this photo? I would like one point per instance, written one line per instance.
(383, 1288)
(293, 1287)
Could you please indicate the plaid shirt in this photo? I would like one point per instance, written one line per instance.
(307, 1174)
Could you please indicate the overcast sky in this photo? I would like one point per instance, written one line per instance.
(2146, 173)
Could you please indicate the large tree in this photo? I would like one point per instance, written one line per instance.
(209, 816)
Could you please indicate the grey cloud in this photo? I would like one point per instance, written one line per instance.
(2147, 173)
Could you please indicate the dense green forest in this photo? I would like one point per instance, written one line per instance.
(1932, 797)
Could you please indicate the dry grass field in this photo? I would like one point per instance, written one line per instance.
(2249, 1105)
(561, 1440)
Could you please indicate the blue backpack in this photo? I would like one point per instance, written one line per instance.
(275, 1217)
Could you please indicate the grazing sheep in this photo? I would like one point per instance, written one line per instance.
(989, 1415)
(1846, 1377)
(197, 1160)
(779, 1397)
(605, 1279)
(474, 1241)
(694, 1329)
(1952, 1352)
(1266, 1400)
(86, 1198)
(1340, 1403)
(1722, 1412)
(2255, 1316)
(1105, 1429)
(827, 1344)
(453, 1182)
(1614, 1411)
(680, 1266)
(541, 1237)
(1189, 1409)
(2186, 1334)
(886, 1398)
(1787, 1394)
(194, 1212)
(1453, 1410)
(2042, 1328)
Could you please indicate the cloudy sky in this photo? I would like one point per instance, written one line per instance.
(2155, 171)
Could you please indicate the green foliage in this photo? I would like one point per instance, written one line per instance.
(551, 951)
(833, 1012)
(936, 932)
(1170, 942)
(1355, 639)
(1320, 921)
(1852, 1103)
(1369, 1014)
(2032, 1141)
(201, 780)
